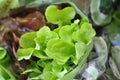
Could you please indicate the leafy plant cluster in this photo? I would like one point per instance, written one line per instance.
(60, 52)
(55, 54)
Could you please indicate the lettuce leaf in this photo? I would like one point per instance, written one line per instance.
(55, 16)
(2, 53)
(43, 35)
(84, 34)
(25, 53)
(27, 40)
(60, 50)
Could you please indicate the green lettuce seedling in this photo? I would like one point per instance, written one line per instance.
(60, 17)
(57, 50)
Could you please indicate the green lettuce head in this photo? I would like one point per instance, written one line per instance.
(61, 52)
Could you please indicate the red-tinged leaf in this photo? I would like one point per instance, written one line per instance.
(33, 21)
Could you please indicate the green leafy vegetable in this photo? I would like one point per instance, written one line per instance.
(27, 40)
(5, 74)
(33, 71)
(2, 53)
(72, 74)
(66, 31)
(82, 33)
(80, 50)
(25, 53)
(60, 49)
(40, 54)
(55, 15)
(43, 35)
(4, 58)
